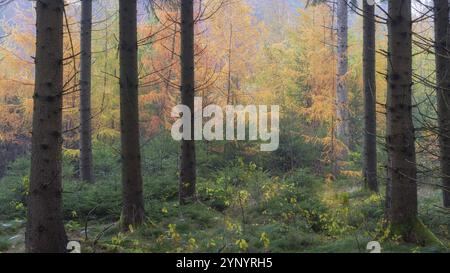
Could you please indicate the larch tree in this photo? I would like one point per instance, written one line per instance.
(132, 192)
(342, 115)
(370, 97)
(442, 45)
(45, 228)
(188, 174)
(85, 92)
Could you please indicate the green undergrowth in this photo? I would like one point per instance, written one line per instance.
(241, 207)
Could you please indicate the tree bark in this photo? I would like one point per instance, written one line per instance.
(188, 176)
(342, 69)
(370, 97)
(85, 92)
(133, 199)
(45, 228)
(442, 38)
(400, 128)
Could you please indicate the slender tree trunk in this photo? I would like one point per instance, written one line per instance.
(342, 69)
(400, 128)
(188, 175)
(442, 38)
(85, 92)
(45, 227)
(133, 199)
(229, 146)
(230, 52)
(370, 97)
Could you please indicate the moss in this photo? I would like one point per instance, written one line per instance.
(4, 244)
(416, 232)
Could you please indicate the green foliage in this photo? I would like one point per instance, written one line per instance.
(242, 207)
(4, 244)
(13, 189)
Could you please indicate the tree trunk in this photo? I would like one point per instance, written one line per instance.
(342, 69)
(133, 199)
(400, 128)
(228, 148)
(370, 97)
(45, 228)
(85, 92)
(188, 174)
(442, 38)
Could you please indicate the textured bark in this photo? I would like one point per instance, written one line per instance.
(45, 228)
(400, 128)
(132, 193)
(188, 174)
(85, 92)
(370, 96)
(442, 38)
(342, 125)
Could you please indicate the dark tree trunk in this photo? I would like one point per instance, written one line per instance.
(370, 97)
(133, 199)
(85, 92)
(342, 125)
(442, 38)
(400, 128)
(188, 174)
(45, 228)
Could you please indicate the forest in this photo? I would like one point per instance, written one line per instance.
(224, 126)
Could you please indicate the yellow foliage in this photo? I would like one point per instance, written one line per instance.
(351, 174)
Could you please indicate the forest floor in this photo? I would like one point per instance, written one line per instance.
(241, 208)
